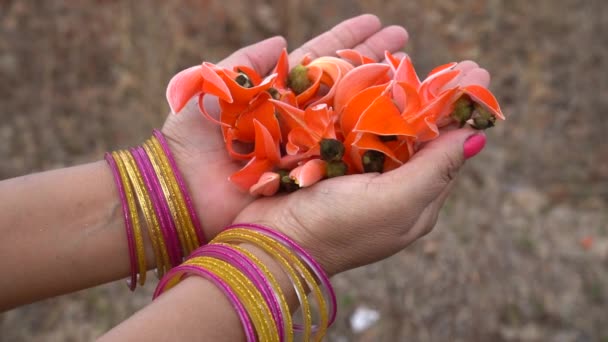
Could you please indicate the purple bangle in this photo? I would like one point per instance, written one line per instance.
(132, 282)
(253, 273)
(161, 207)
(186, 270)
(182, 185)
(307, 258)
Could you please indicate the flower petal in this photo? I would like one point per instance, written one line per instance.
(357, 105)
(368, 141)
(267, 185)
(249, 175)
(183, 86)
(214, 85)
(406, 73)
(431, 87)
(282, 70)
(266, 147)
(357, 80)
(354, 56)
(485, 98)
(309, 173)
(383, 118)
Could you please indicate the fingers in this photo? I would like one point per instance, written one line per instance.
(261, 56)
(476, 76)
(345, 35)
(432, 168)
(392, 38)
(428, 219)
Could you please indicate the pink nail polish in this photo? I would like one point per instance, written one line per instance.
(473, 145)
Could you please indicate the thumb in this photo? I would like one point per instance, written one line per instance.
(432, 168)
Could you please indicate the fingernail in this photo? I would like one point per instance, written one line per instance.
(474, 144)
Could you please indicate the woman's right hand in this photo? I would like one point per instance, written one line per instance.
(350, 221)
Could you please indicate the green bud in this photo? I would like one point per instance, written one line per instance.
(274, 93)
(336, 168)
(243, 80)
(463, 109)
(482, 118)
(287, 184)
(298, 79)
(373, 161)
(331, 149)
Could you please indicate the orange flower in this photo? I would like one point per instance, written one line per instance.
(438, 94)
(331, 116)
(266, 156)
(306, 127)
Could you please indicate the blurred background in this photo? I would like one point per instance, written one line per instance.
(521, 249)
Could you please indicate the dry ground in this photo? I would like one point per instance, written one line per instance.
(505, 262)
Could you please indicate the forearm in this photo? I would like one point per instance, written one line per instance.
(61, 231)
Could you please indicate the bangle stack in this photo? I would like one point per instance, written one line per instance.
(254, 291)
(149, 183)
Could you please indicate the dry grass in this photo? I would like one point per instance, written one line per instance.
(505, 262)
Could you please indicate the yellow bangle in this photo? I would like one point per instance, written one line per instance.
(240, 235)
(169, 196)
(275, 285)
(250, 296)
(186, 221)
(139, 243)
(145, 203)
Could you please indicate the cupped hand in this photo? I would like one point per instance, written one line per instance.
(198, 145)
(350, 221)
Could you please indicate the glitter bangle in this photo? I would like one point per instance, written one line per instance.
(185, 222)
(169, 193)
(305, 256)
(264, 281)
(238, 236)
(175, 275)
(250, 296)
(120, 159)
(194, 217)
(168, 225)
(132, 282)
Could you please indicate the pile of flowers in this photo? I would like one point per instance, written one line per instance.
(330, 116)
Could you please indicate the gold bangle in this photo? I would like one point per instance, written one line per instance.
(168, 195)
(139, 243)
(188, 226)
(237, 235)
(275, 285)
(251, 297)
(145, 203)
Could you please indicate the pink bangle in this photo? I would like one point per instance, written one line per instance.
(160, 205)
(132, 282)
(151, 183)
(182, 185)
(307, 258)
(251, 271)
(186, 270)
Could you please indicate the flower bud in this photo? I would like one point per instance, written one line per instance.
(243, 80)
(298, 79)
(482, 118)
(373, 161)
(287, 183)
(274, 93)
(463, 109)
(331, 149)
(336, 168)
